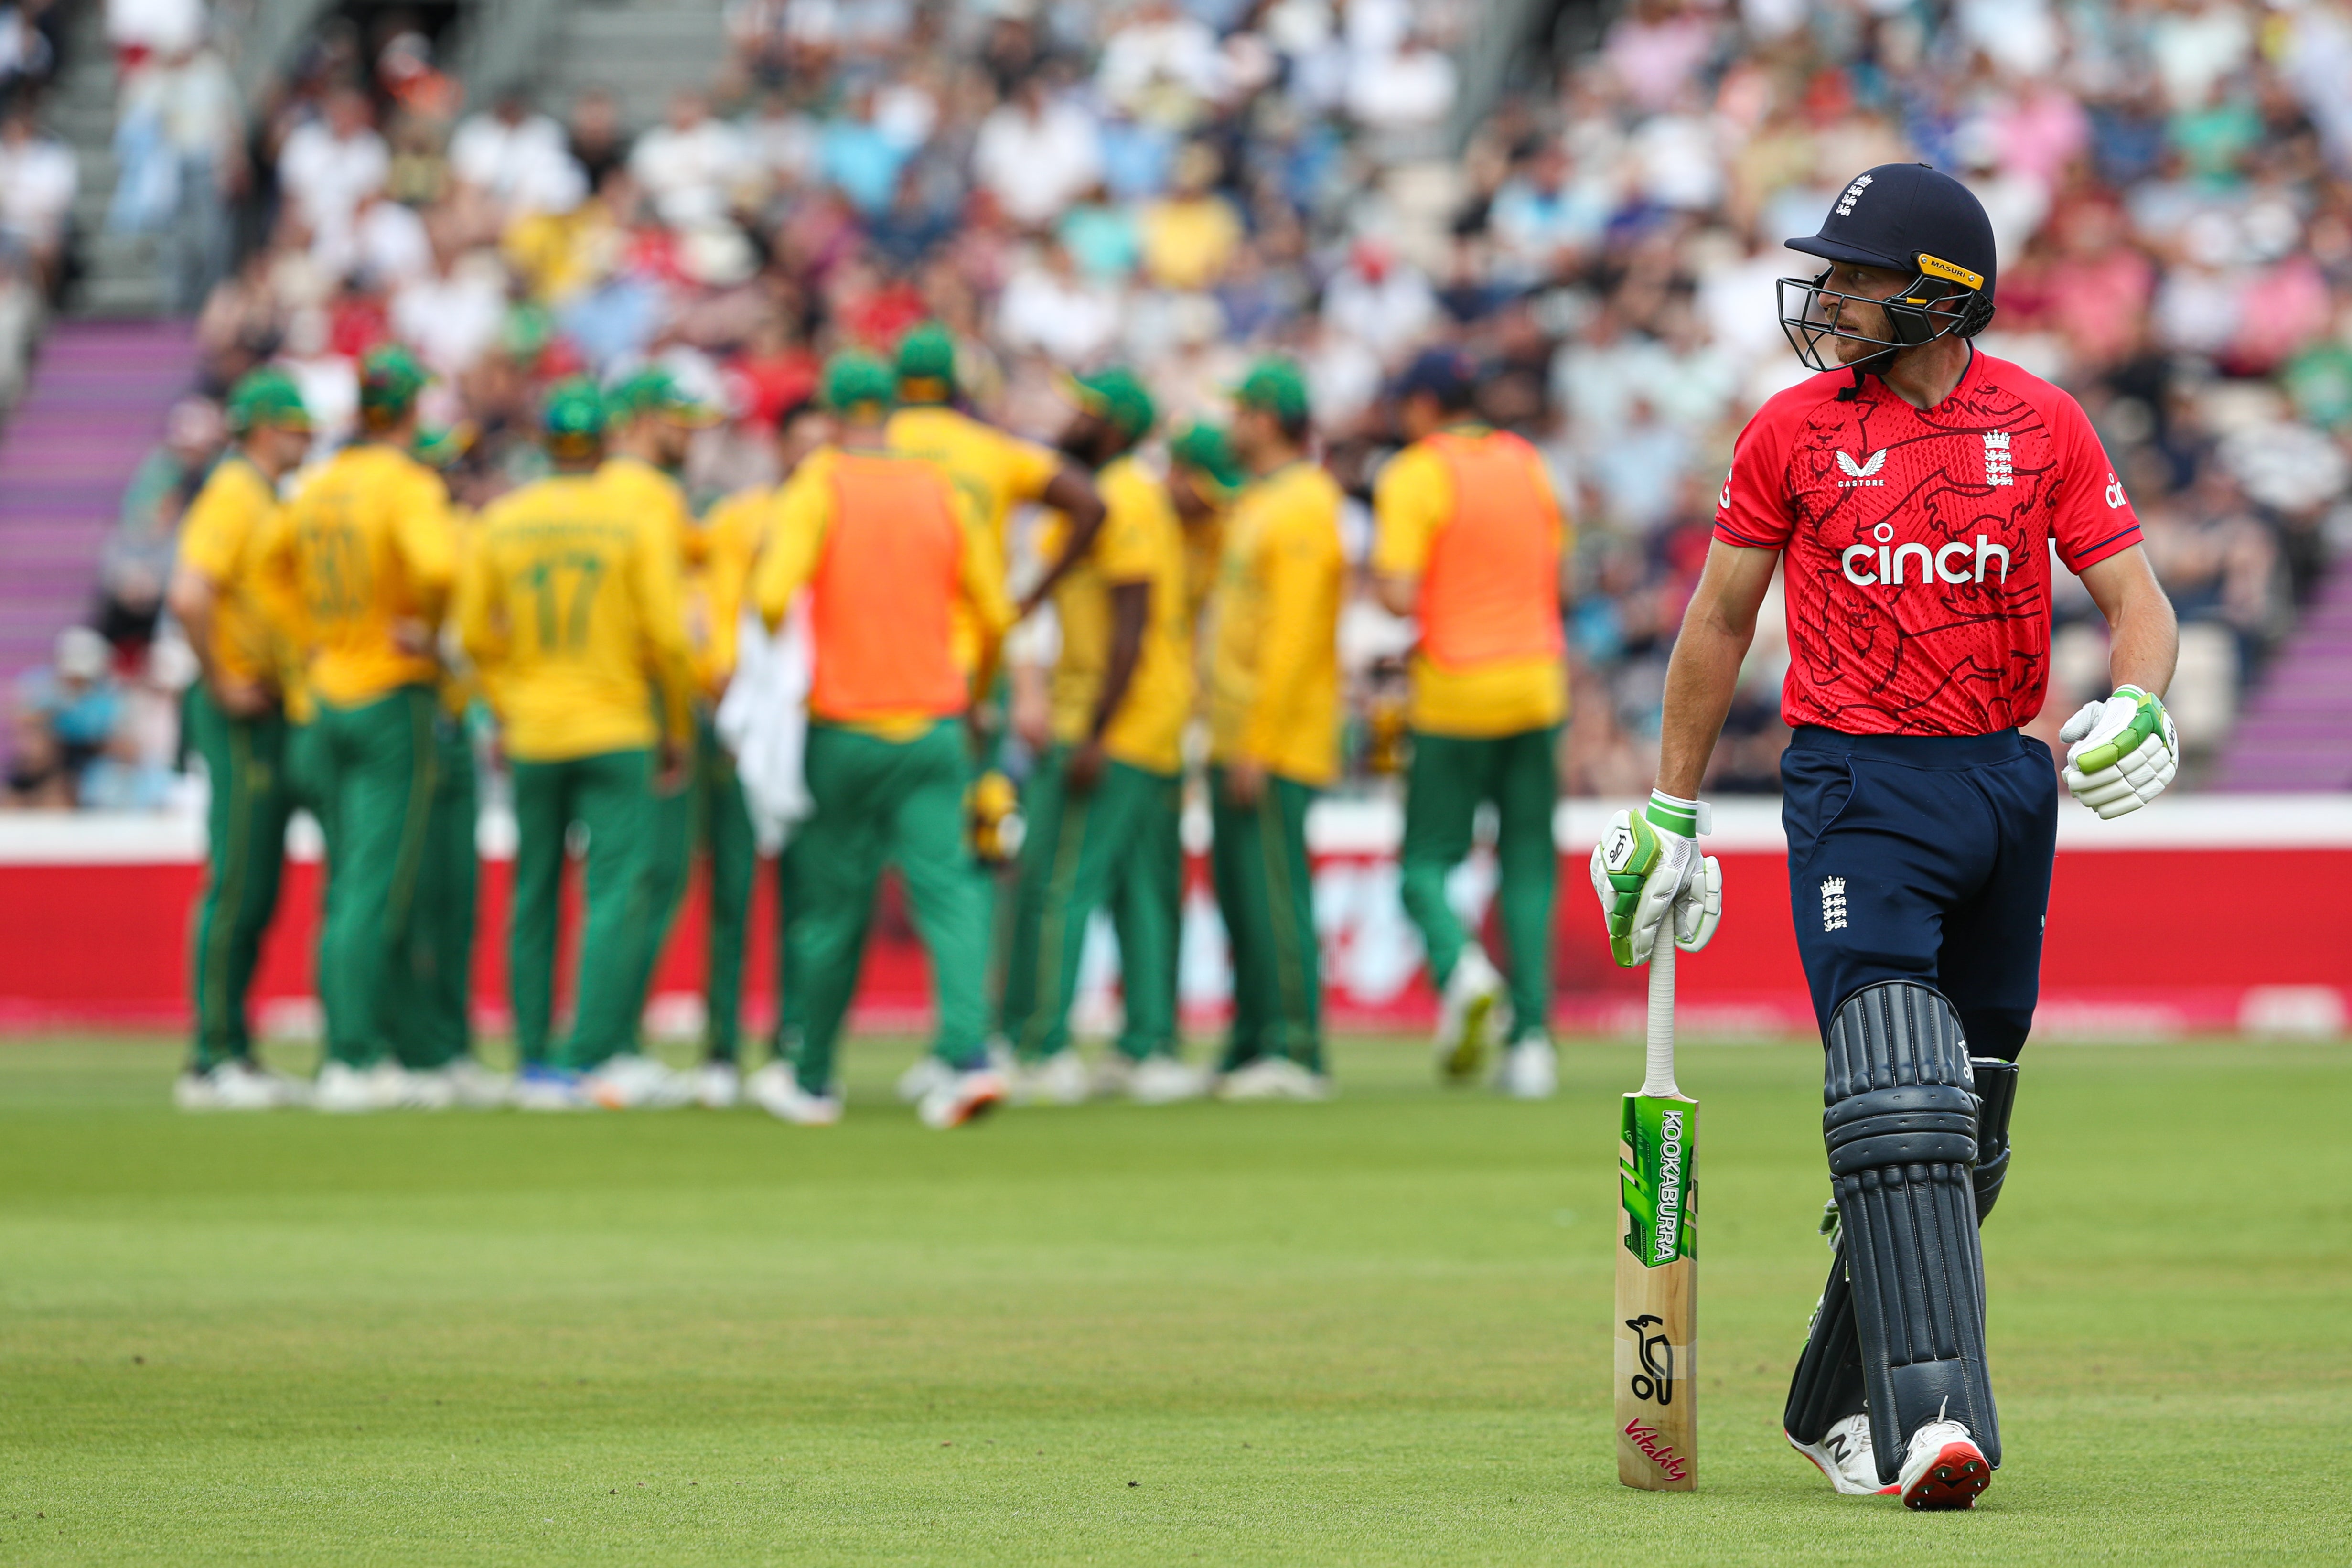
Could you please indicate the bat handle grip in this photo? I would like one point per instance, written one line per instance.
(1659, 1080)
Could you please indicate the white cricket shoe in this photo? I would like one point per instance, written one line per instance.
(717, 1085)
(475, 1086)
(1113, 1075)
(777, 1090)
(232, 1086)
(633, 1081)
(1062, 1079)
(965, 1096)
(346, 1091)
(1164, 1080)
(1844, 1456)
(1273, 1078)
(1469, 1015)
(542, 1087)
(429, 1088)
(1943, 1468)
(1530, 1068)
(918, 1081)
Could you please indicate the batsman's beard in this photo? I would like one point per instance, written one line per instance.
(1670, 1186)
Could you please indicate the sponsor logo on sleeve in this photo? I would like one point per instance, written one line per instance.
(2116, 498)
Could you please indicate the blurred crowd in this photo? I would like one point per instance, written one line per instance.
(1183, 186)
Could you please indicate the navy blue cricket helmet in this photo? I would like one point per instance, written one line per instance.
(1909, 218)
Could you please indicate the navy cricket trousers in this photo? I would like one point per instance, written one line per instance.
(1923, 857)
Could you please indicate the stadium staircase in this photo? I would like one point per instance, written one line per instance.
(641, 50)
(95, 406)
(2296, 733)
(121, 275)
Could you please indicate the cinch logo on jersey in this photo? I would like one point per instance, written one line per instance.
(1869, 565)
(1852, 195)
(1834, 904)
(1862, 473)
(2114, 491)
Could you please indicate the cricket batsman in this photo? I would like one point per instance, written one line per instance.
(1913, 493)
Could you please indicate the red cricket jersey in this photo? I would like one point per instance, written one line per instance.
(1917, 544)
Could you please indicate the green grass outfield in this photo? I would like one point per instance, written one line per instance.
(1375, 1331)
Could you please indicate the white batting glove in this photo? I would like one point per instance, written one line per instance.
(1646, 867)
(2122, 752)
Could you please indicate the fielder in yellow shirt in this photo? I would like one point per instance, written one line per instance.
(652, 423)
(236, 721)
(1102, 809)
(1470, 541)
(1273, 733)
(570, 610)
(994, 472)
(366, 555)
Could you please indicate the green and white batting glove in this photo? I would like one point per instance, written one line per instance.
(1647, 865)
(2122, 752)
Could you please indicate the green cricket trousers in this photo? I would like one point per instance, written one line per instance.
(1266, 896)
(252, 796)
(1451, 776)
(377, 768)
(709, 811)
(1107, 849)
(882, 803)
(436, 1025)
(611, 795)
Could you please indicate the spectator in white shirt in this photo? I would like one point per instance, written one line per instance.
(1037, 154)
(328, 166)
(1160, 65)
(1409, 89)
(690, 164)
(1381, 302)
(451, 313)
(38, 183)
(138, 29)
(389, 242)
(1049, 307)
(518, 158)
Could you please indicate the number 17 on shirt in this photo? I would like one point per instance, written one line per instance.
(1657, 1260)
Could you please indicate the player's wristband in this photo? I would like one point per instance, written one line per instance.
(1684, 818)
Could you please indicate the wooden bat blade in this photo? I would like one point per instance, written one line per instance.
(1658, 1294)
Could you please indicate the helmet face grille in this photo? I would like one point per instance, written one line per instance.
(1813, 316)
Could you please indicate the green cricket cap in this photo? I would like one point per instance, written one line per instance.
(575, 411)
(1203, 448)
(1117, 396)
(267, 397)
(1277, 386)
(441, 446)
(854, 376)
(928, 354)
(654, 390)
(390, 378)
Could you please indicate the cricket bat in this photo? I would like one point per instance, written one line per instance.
(1657, 1260)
